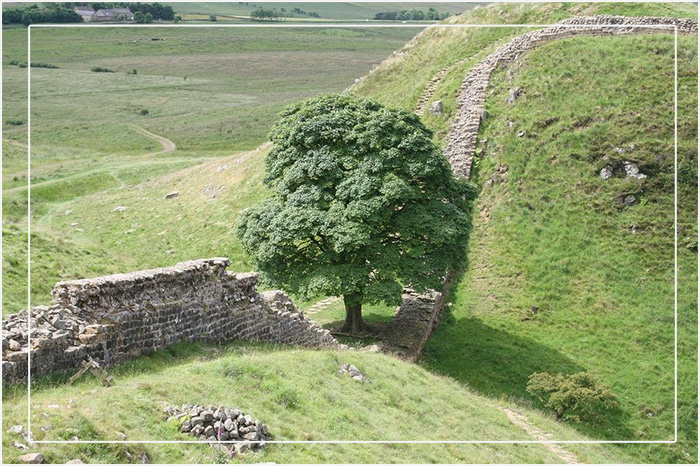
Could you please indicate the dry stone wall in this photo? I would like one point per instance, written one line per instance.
(418, 315)
(119, 317)
(461, 140)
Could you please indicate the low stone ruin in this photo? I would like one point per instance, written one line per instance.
(223, 427)
(118, 317)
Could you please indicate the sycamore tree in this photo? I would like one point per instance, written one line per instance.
(363, 205)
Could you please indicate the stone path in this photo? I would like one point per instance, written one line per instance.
(521, 421)
(321, 305)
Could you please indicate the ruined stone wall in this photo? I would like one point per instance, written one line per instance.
(461, 140)
(119, 317)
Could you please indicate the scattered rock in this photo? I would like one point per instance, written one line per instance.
(75, 461)
(46, 428)
(630, 199)
(172, 194)
(69, 211)
(14, 346)
(119, 208)
(513, 95)
(521, 133)
(620, 150)
(632, 170)
(484, 115)
(606, 173)
(353, 372)
(122, 436)
(31, 458)
(220, 424)
(436, 108)
(21, 446)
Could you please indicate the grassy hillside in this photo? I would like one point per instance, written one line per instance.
(563, 276)
(213, 93)
(299, 395)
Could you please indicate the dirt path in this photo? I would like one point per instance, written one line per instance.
(168, 145)
(521, 421)
(321, 305)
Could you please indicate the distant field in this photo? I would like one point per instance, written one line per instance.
(212, 92)
(326, 10)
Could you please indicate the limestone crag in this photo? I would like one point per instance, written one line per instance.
(119, 317)
(461, 140)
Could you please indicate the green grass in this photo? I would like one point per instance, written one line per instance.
(556, 237)
(557, 281)
(297, 393)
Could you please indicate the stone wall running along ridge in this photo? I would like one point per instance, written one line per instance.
(118, 317)
(419, 315)
(461, 139)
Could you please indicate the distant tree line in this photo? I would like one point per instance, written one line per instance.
(32, 14)
(412, 15)
(271, 14)
(265, 14)
(63, 12)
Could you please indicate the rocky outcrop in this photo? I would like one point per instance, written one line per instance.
(461, 140)
(119, 317)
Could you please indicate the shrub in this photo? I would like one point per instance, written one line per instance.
(148, 18)
(98, 69)
(21, 64)
(43, 65)
(576, 397)
(132, 72)
(212, 18)
(144, 111)
(14, 122)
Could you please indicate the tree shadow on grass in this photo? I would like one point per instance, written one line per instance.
(498, 364)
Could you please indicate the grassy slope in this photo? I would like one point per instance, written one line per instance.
(212, 92)
(308, 401)
(554, 237)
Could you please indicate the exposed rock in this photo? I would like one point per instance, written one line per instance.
(172, 194)
(484, 115)
(521, 133)
(119, 208)
(353, 372)
(632, 170)
(606, 173)
(75, 461)
(513, 95)
(14, 346)
(31, 458)
(21, 446)
(630, 199)
(436, 108)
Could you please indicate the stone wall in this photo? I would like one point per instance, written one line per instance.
(119, 317)
(461, 140)
(418, 315)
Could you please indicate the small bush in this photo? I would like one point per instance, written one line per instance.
(99, 69)
(21, 64)
(576, 397)
(14, 122)
(134, 72)
(144, 111)
(43, 65)
(212, 18)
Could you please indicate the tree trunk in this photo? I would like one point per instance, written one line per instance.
(353, 313)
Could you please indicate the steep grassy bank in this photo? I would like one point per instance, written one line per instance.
(298, 394)
(563, 275)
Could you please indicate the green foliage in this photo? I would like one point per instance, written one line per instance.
(99, 69)
(431, 14)
(576, 397)
(264, 14)
(33, 14)
(143, 111)
(139, 17)
(364, 203)
(212, 17)
(43, 65)
(148, 18)
(14, 122)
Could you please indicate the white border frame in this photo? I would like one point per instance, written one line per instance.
(362, 26)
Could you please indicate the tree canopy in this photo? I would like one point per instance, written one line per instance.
(363, 204)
